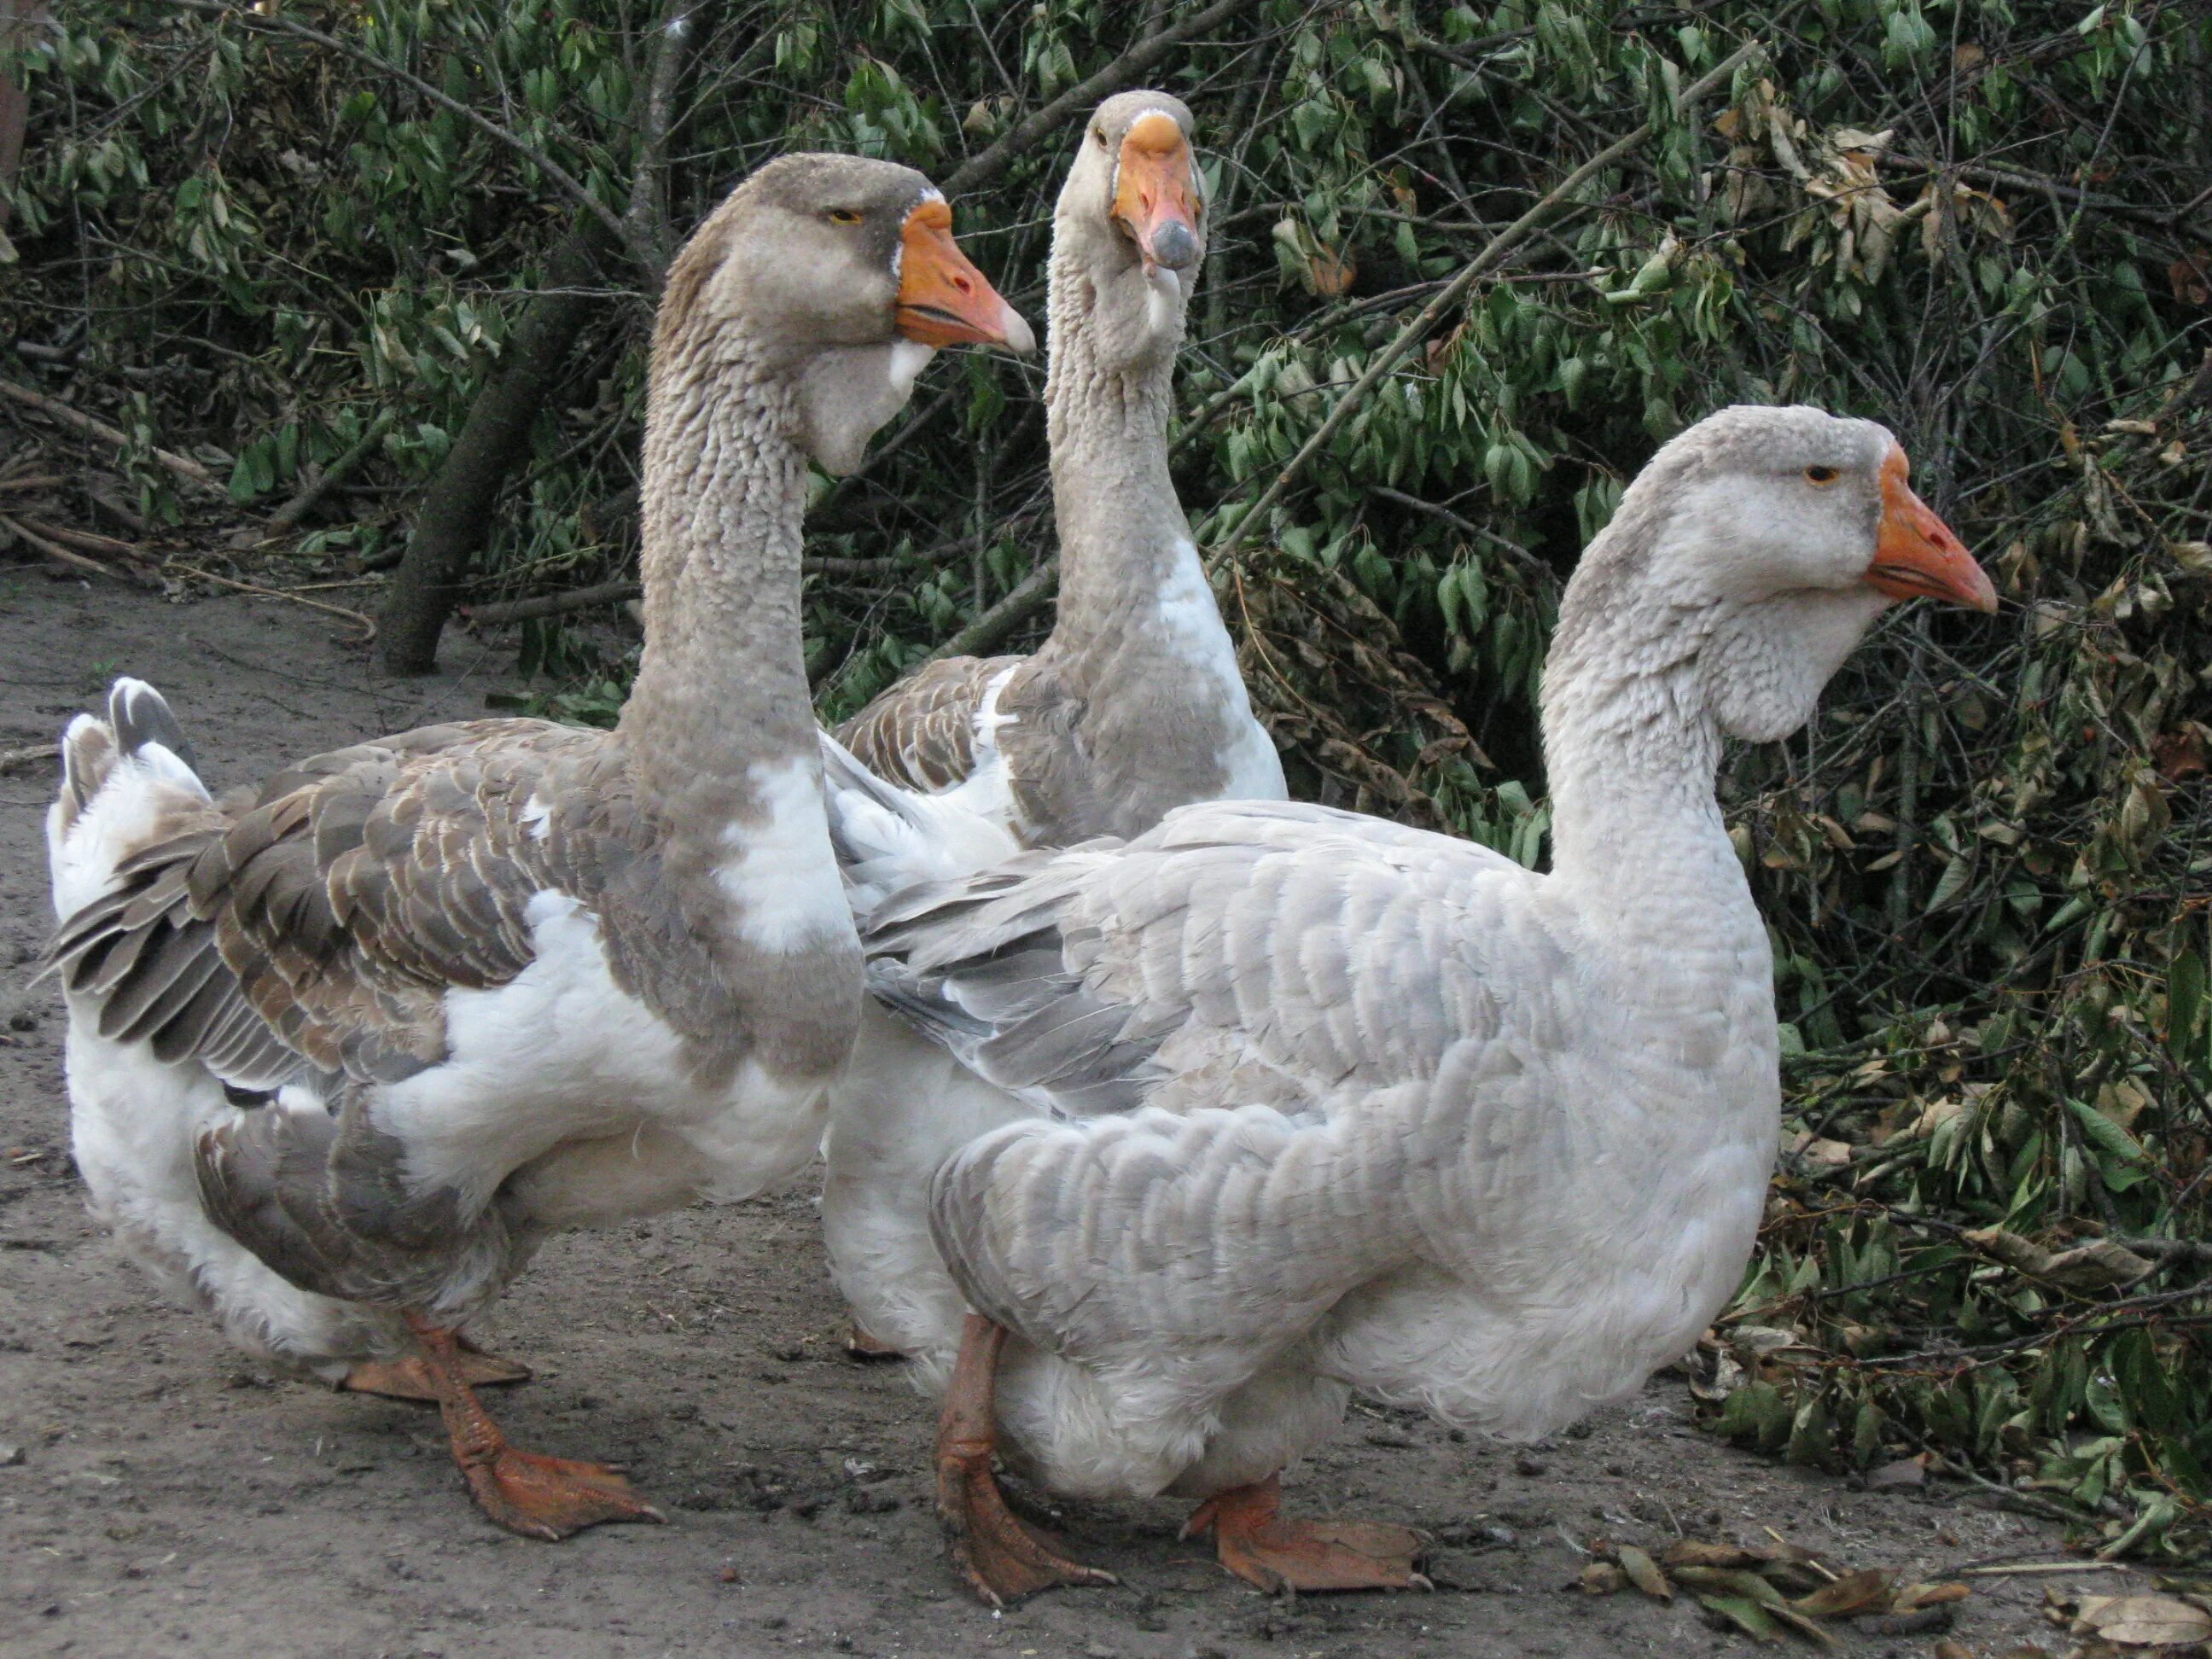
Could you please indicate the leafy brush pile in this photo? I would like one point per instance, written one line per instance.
(1989, 225)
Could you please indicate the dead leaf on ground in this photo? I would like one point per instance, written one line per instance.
(1601, 1578)
(1913, 1597)
(2142, 1621)
(1854, 1592)
(1644, 1572)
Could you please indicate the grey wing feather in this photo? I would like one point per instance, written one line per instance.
(1235, 1020)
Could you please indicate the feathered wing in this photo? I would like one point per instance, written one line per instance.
(921, 734)
(317, 930)
(1238, 1029)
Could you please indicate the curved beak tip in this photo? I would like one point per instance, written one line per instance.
(943, 300)
(1174, 246)
(1917, 555)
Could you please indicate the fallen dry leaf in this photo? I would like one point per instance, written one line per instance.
(1913, 1597)
(1644, 1572)
(2180, 753)
(1854, 1592)
(2142, 1621)
(1601, 1578)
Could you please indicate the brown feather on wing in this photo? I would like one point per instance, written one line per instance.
(921, 734)
(318, 928)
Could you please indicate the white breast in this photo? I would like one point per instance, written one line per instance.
(1190, 621)
(783, 874)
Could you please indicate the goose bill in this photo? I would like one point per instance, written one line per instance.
(945, 300)
(1916, 555)
(1156, 196)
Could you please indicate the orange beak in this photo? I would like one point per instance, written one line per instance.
(1155, 197)
(1916, 555)
(942, 299)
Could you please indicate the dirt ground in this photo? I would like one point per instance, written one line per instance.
(161, 1495)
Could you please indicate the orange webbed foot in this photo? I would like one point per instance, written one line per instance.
(1253, 1540)
(528, 1493)
(409, 1377)
(551, 1497)
(996, 1554)
(1001, 1558)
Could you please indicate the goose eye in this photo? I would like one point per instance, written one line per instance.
(844, 216)
(1821, 474)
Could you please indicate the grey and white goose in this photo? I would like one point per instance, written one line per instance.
(1293, 1102)
(1134, 705)
(340, 1056)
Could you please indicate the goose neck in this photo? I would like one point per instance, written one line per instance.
(1123, 533)
(1637, 832)
(722, 689)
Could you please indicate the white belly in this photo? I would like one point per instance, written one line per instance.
(562, 1080)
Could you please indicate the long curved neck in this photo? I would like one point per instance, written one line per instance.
(722, 686)
(1123, 539)
(1632, 751)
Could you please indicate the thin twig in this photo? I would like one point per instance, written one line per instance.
(994, 158)
(1520, 555)
(183, 465)
(367, 623)
(12, 758)
(1454, 291)
(553, 605)
(67, 558)
(285, 517)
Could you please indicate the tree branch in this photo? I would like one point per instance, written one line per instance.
(1003, 620)
(289, 514)
(183, 465)
(1404, 341)
(647, 213)
(643, 254)
(993, 159)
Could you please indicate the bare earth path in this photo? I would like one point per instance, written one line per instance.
(170, 1497)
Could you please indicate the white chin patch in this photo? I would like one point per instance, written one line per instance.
(908, 358)
(1160, 296)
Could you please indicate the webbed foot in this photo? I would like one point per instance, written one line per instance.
(1253, 1540)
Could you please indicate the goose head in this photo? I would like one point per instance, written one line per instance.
(1758, 547)
(1131, 219)
(841, 274)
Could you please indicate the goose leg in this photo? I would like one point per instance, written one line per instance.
(1001, 1559)
(409, 1377)
(528, 1493)
(1254, 1541)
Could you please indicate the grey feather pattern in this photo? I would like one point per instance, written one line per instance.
(1230, 1109)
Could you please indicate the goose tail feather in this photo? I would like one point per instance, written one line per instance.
(890, 840)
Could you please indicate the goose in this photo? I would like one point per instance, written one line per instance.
(1131, 706)
(1306, 1103)
(341, 1052)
